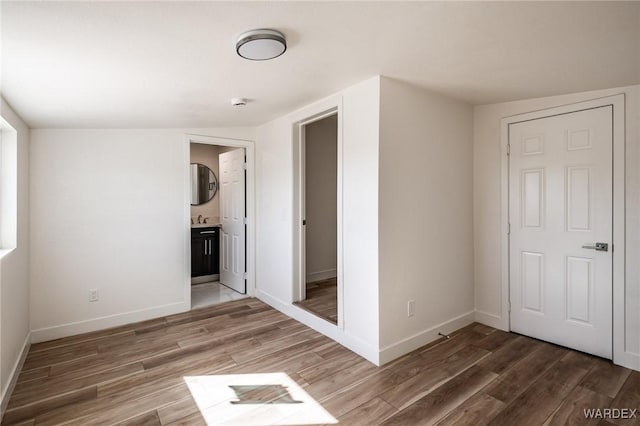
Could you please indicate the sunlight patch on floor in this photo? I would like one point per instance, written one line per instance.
(255, 400)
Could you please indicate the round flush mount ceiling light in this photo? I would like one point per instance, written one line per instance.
(261, 45)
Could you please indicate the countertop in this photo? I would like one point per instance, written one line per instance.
(206, 225)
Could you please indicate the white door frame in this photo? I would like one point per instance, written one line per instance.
(250, 260)
(323, 109)
(618, 243)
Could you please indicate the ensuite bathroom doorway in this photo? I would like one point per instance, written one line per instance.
(218, 214)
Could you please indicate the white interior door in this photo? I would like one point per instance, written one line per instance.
(232, 218)
(560, 206)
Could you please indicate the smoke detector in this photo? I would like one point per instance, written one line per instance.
(238, 101)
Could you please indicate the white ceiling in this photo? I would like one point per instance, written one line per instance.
(173, 64)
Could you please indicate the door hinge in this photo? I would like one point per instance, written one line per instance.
(508, 229)
(245, 276)
(509, 306)
(244, 221)
(508, 149)
(244, 166)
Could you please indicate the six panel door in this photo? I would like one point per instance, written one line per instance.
(232, 216)
(560, 201)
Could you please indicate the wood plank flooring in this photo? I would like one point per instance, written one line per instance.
(322, 299)
(134, 375)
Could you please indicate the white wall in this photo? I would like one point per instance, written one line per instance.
(321, 198)
(275, 180)
(487, 204)
(14, 272)
(274, 220)
(108, 212)
(426, 214)
(361, 134)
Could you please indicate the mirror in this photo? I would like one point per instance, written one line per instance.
(204, 184)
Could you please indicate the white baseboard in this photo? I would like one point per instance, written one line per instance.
(102, 323)
(321, 275)
(17, 367)
(330, 330)
(491, 320)
(411, 343)
(627, 359)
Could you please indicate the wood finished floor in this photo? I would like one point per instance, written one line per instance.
(133, 375)
(322, 299)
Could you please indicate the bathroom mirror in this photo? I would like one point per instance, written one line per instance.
(204, 184)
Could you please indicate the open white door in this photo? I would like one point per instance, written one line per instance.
(232, 217)
(560, 209)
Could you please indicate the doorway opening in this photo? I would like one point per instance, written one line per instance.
(318, 197)
(218, 219)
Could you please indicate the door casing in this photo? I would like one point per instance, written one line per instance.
(618, 242)
(326, 108)
(250, 259)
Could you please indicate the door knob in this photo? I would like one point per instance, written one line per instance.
(597, 247)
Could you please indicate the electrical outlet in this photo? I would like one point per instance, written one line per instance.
(410, 308)
(93, 295)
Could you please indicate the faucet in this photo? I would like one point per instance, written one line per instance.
(199, 218)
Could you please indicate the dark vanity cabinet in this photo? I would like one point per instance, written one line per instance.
(204, 251)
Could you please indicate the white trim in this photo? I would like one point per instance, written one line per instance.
(109, 321)
(8, 185)
(505, 323)
(250, 261)
(321, 275)
(411, 343)
(186, 202)
(620, 355)
(5, 252)
(299, 149)
(347, 340)
(15, 372)
(486, 318)
(315, 112)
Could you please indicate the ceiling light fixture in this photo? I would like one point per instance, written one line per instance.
(261, 45)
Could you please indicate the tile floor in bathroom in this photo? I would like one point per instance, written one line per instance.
(212, 293)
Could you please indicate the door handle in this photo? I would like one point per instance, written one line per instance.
(597, 247)
(205, 247)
